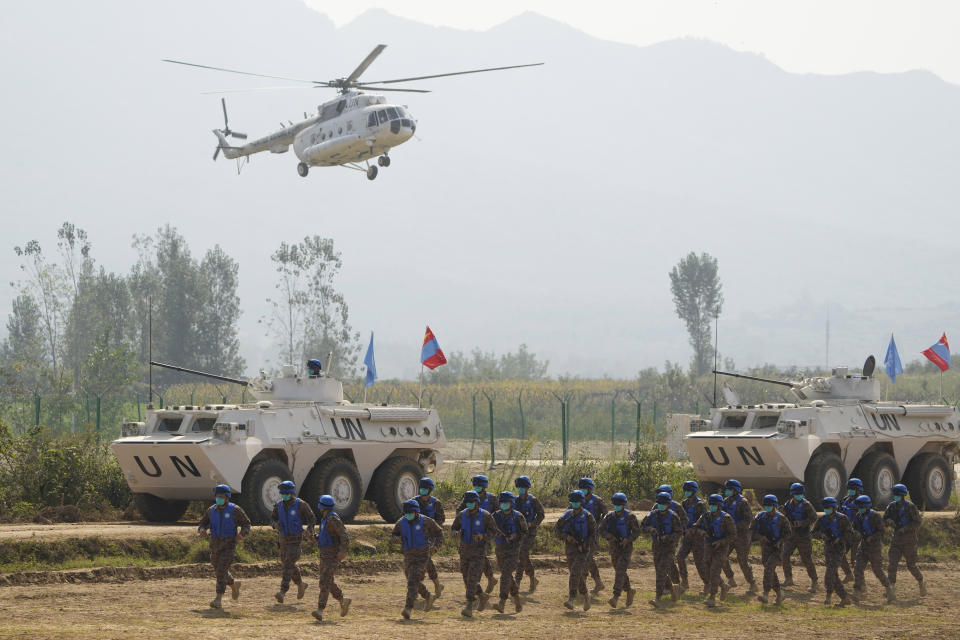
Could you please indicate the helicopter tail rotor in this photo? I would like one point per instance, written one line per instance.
(226, 123)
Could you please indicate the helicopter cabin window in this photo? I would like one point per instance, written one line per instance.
(392, 113)
(402, 113)
(169, 425)
(382, 115)
(733, 422)
(372, 119)
(203, 424)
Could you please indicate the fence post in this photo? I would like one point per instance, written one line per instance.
(639, 418)
(523, 422)
(243, 397)
(36, 406)
(613, 422)
(139, 418)
(654, 415)
(88, 408)
(98, 418)
(492, 453)
(473, 400)
(563, 428)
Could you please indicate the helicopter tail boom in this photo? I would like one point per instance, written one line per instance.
(229, 152)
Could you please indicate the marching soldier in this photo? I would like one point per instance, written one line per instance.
(665, 528)
(577, 528)
(620, 528)
(595, 505)
(834, 529)
(906, 522)
(739, 509)
(532, 511)
(801, 515)
(332, 544)
(717, 526)
(226, 524)
(514, 527)
(417, 534)
(770, 527)
(288, 518)
(678, 509)
(474, 527)
(486, 502)
(433, 509)
(849, 509)
(693, 508)
(869, 524)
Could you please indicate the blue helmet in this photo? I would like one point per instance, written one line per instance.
(326, 502)
(863, 501)
(411, 506)
(575, 496)
(427, 483)
(665, 488)
(663, 498)
(314, 366)
(830, 501)
(734, 485)
(471, 496)
(287, 486)
(506, 496)
(715, 498)
(691, 485)
(480, 481)
(770, 500)
(796, 488)
(855, 483)
(522, 482)
(899, 489)
(619, 498)
(585, 483)
(222, 489)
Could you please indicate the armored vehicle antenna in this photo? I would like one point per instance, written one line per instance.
(200, 373)
(792, 385)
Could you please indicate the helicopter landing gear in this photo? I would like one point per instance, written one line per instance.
(384, 160)
(303, 169)
(371, 173)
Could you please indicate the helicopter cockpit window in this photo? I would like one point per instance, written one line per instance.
(392, 113)
(402, 113)
(382, 115)
(372, 119)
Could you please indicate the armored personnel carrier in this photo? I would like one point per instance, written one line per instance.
(299, 428)
(837, 428)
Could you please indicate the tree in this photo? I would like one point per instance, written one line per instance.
(698, 296)
(45, 284)
(217, 324)
(483, 366)
(21, 355)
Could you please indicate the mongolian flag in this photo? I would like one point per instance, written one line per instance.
(430, 355)
(939, 353)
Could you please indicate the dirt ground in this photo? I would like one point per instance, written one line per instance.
(179, 608)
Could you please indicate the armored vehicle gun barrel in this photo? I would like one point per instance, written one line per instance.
(200, 373)
(792, 385)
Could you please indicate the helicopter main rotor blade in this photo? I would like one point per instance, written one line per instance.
(456, 73)
(223, 102)
(277, 87)
(245, 73)
(364, 86)
(366, 63)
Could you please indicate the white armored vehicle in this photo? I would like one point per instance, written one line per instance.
(300, 429)
(837, 428)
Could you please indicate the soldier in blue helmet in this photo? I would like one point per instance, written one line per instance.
(531, 508)
(289, 517)
(869, 524)
(835, 531)
(418, 535)
(225, 523)
(433, 509)
(620, 528)
(719, 530)
(802, 515)
(770, 527)
(739, 509)
(906, 523)
(678, 509)
(597, 508)
(332, 544)
(693, 507)
(474, 528)
(577, 528)
(514, 527)
(665, 528)
(487, 502)
(849, 509)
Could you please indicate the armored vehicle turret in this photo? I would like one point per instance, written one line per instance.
(299, 428)
(837, 427)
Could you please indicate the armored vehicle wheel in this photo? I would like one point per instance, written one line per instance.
(879, 473)
(155, 509)
(930, 482)
(397, 480)
(303, 169)
(825, 476)
(261, 489)
(339, 478)
(371, 172)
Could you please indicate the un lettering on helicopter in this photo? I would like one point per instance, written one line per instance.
(348, 131)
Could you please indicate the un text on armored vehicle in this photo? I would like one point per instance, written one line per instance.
(837, 428)
(300, 428)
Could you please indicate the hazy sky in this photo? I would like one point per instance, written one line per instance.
(816, 36)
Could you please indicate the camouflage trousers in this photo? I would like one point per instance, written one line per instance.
(289, 554)
(620, 558)
(907, 549)
(802, 544)
(663, 564)
(691, 544)
(846, 563)
(592, 563)
(508, 558)
(833, 556)
(526, 545)
(473, 562)
(414, 568)
(715, 560)
(222, 551)
(432, 569)
(328, 569)
(872, 554)
(770, 558)
(487, 565)
(741, 544)
(578, 564)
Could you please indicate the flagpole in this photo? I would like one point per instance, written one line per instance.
(941, 386)
(420, 395)
(365, 368)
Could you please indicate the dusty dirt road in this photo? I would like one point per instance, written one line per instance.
(178, 608)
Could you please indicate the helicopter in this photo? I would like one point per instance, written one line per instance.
(351, 129)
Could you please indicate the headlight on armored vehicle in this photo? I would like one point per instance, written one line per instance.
(698, 424)
(792, 428)
(133, 429)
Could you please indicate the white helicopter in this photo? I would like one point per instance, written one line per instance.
(353, 127)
